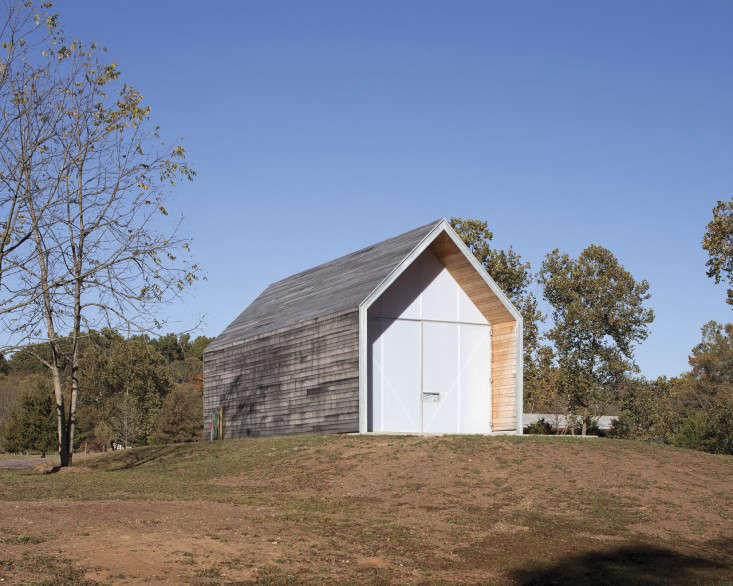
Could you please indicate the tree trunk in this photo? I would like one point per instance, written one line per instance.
(124, 420)
(72, 403)
(61, 426)
(72, 425)
(77, 250)
(54, 364)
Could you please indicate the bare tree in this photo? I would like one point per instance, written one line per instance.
(101, 252)
(27, 124)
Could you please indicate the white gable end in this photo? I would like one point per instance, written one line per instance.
(428, 354)
(427, 291)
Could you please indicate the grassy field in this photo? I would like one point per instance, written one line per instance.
(358, 509)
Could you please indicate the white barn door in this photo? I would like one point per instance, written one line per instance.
(441, 390)
(475, 378)
(395, 375)
(456, 378)
(429, 354)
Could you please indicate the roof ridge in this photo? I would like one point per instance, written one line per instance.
(329, 287)
(363, 249)
(332, 286)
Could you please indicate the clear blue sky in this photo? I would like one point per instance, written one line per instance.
(320, 127)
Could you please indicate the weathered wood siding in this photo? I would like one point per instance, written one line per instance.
(303, 379)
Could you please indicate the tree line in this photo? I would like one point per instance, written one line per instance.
(137, 391)
(584, 365)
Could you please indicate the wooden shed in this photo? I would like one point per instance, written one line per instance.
(408, 335)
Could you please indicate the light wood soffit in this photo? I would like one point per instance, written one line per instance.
(470, 281)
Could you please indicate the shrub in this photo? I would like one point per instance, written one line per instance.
(539, 427)
(710, 431)
(623, 427)
(593, 429)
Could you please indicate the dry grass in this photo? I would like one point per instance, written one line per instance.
(357, 509)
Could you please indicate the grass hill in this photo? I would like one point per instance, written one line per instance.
(375, 509)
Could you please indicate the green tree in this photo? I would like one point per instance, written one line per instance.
(694, 410)
(708, 431)
(181, 417)
(712, 359)
(31, 425)
(542, 384)
(513, 275)
(170, 346)
(598, 315)
(31, 358)
(9, 393)
(26, 360)
(125, 382)
(645, 408)
(718, 242)
(184, 356)
(197, 347)
(703, 402)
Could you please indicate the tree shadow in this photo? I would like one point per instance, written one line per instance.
(643, 565)
(135, 457)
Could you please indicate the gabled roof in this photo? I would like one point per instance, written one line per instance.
(334, 286)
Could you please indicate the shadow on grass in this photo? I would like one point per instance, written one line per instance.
(643, 565)
(135, 457)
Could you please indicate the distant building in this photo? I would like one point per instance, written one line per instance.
(408, 335)
(558, 421)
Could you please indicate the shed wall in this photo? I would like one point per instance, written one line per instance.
(303, 379)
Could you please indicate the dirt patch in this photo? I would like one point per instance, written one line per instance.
(142, 542)
(379, 510)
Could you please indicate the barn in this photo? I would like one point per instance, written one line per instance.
(408, 335)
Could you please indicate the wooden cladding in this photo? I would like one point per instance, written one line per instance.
(504, 376)
(504, 354)
(304, 379)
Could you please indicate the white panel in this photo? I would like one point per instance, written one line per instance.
(439, 299)
(396, 376)
(426, 290)
(374, 358)
(402, 299)
(475, 379)
(441, 377)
